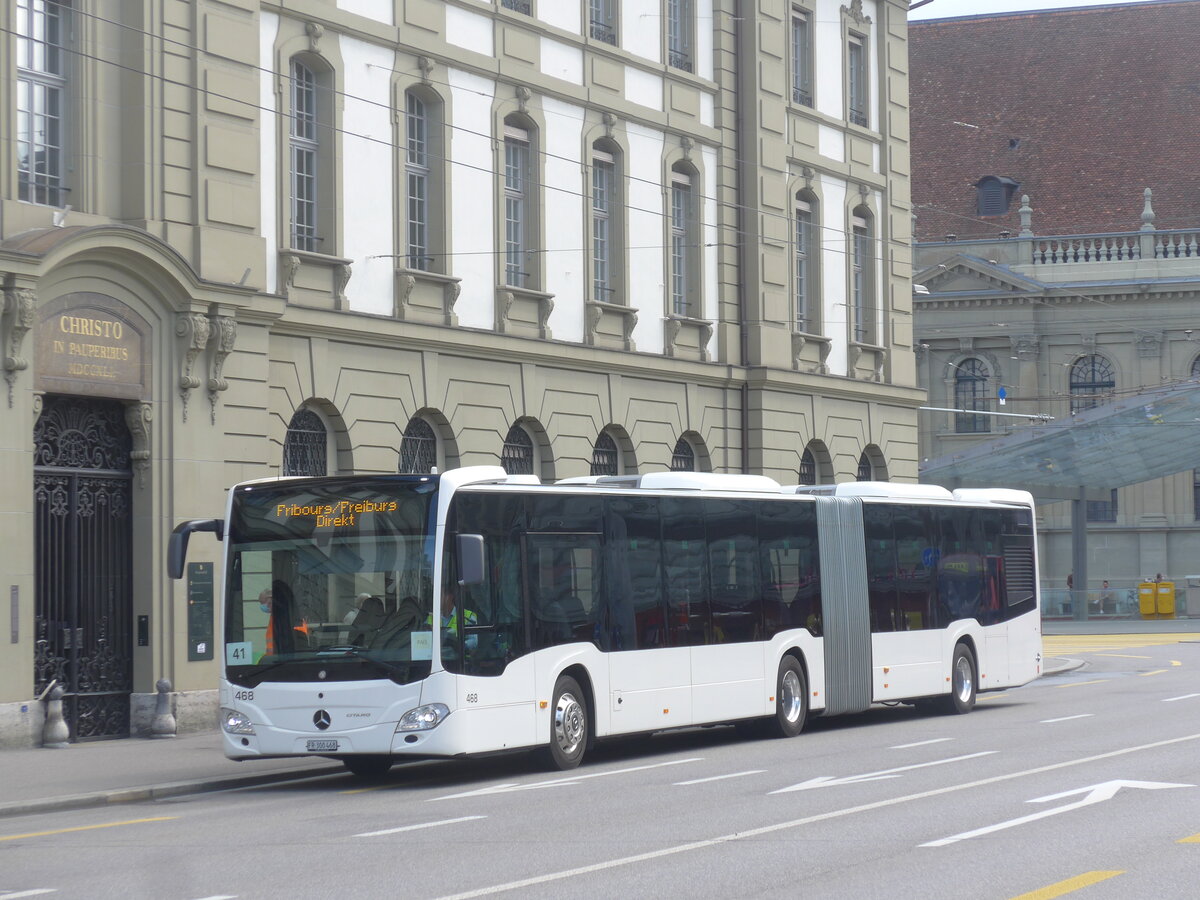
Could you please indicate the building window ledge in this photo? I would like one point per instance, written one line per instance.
(810, 352)
(865, 362)
(687, 338)
(313, 279)
(610, 325)
(426, 297)
(522, 311)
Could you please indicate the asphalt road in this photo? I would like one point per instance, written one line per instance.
(1084, 785)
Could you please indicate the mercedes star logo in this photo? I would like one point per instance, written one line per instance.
(321, 719)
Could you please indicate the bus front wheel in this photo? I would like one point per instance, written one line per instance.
(962, 682)
(568, 724)
(791, 699)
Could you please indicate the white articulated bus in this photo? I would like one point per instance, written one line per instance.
(386, 616)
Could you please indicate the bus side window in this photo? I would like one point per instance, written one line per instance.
(685, 572)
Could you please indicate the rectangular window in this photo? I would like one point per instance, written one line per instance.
(41, 89)
(801, 58)
(681, 243)
(304, 149)
(418, 184)
(861, 281)
(856, 74)
(521, 6)
(802, 269)
(603, 183)
(1103, 510)
(679, 34)
(603, 20)
(516, 179)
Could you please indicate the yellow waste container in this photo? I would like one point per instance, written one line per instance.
(1147, 601)
(1166, 600)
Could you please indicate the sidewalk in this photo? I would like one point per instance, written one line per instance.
(104, 773)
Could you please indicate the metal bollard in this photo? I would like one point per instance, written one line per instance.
(163, 725)
(55, 733)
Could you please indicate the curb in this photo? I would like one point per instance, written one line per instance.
(157, 791)
(1062, 666)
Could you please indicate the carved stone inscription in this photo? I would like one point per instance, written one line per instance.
(91, 349)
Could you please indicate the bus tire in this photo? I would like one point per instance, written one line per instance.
(791, 699)
(374, 765)
(962, 682)
(568, 724)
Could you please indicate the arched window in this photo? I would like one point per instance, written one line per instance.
(684, 457)
(306, 447)
(806, 259)
(418, 448)
(684, 243)
(862, 277)
(808, 468)
(970, 392)
(1196, 367)
(1092, 382)
(865, 472)
(607, 221)
(520, 203)
(605, 457)
(424, 207)
(517, 455)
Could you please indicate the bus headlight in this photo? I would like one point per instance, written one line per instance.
(235, 722)
(423, 718)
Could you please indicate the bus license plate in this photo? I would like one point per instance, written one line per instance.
(321, 746)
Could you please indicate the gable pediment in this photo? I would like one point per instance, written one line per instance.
(962, 273)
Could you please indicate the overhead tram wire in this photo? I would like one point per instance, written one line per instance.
(828, 229)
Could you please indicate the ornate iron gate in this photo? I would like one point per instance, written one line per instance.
(82, 492)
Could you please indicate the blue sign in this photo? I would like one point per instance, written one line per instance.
(929, 557)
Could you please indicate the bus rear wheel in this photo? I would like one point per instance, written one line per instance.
(568, 724)
(962, 682)
(374, 765)
(791, 699)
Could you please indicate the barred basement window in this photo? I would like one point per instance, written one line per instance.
(418, 448)
(305, 449)
(684, 457)
(517, 455)
(808, 468)
(864, 468)
(604, 456)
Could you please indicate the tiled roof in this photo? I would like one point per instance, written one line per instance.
(1082, 107)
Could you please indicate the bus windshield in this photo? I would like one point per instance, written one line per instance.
(330, 580)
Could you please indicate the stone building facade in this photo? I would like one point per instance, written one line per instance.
(241, 238)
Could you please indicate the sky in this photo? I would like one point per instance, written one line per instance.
(941, 9)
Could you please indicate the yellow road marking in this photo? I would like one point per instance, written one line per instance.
(33, 834)
(1071, 884)
(1080, 683)
(1176, 662)
(1125, 655)
(1155, 672)
(1194, 839)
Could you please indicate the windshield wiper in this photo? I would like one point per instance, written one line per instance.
(358, 653)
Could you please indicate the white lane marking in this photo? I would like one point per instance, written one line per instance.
(213, 897)
(919, 743)
(719, 777)
(556, 782)
(831, 781)
(1066, 718)
(1184, 697)
(808, 820)
(418, 827)
(1096, 793)
(35, 892)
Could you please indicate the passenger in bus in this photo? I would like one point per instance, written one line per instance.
(277, 602)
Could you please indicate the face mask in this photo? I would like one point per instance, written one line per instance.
(265, 607)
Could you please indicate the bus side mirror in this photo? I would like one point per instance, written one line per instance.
(177, 547)
(470, 558)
